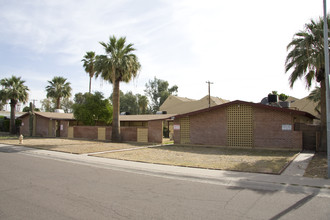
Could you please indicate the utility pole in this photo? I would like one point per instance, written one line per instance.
(208, 82)
(326, 57)
(33, 100)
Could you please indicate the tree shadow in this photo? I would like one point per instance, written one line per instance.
(13, 148)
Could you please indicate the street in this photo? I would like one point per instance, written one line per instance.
(34, 187)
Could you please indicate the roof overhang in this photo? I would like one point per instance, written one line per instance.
(257, 105)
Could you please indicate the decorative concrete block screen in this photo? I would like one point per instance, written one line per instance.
(142, 135)
(240, 125)
(101, 134)
(185, 130)
(70, 132)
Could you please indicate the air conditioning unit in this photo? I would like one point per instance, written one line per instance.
(161, 112)
(285, 104)
(272, 98)
(59, 110)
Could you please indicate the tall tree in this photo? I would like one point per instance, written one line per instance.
(158, 91)
(306, 60)
(2, 105)
(28, 109)
(143, 103)
(119, 64)
(92, 109)
(13, 89)
(128, 102)
(58, 88)
(66, 105)
(48, 105)
(89, 64)
(281, 96)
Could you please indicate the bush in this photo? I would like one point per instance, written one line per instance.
(5, 125)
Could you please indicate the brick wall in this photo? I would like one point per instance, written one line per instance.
(91, 132)
(268, 131)
(87, 132)
(24, 129)
(41, 126)
(155, 131)
(108, 133)
(65, 126)
(128, 133)
(209, 128)
(311, 135)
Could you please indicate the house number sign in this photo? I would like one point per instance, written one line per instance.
(286, 127)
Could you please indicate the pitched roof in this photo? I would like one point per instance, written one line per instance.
(179, 105)
(53, 115)
(258, 105)
(69, 116)
(306, 105)
(291, 99)
(145, 117)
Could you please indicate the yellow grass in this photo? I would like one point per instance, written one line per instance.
(223, 158)
(246, 160)
(71, 145)
(317, 167)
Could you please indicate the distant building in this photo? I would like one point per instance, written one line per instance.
(180, 105)
(304, 104)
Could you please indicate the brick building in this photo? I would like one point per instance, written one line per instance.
(139, 128)
(46, 124)
(242, 124)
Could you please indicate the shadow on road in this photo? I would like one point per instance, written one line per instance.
(12, 148)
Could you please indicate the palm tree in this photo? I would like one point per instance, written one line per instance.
(89, 61)
(13, 89)
(118, 65)
(315, 96)
(306, 60)
(58, 88)
(143, 103)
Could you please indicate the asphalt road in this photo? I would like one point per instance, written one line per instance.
(33, 187)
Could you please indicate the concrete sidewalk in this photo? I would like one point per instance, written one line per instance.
(298, 166)
(285, 182)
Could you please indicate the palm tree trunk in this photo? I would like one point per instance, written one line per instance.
(323, 136)
(90, 84)
(58, 104)
(116, 137)
(12, 128)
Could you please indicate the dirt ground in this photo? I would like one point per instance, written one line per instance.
(318, 167)
(75, 146)
(223, 158)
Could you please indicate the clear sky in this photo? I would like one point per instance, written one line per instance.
(239, 45)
